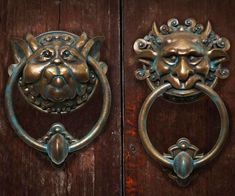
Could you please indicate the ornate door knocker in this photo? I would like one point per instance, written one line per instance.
(57, 72)
(181, 62)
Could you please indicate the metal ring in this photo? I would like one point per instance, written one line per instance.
(93, 133)
(155, 154)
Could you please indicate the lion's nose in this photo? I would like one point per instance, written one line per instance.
(183, 70)
(57, 61)
(58, 81)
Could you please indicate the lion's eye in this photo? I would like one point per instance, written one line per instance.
(68, 56)
(194, 59)
(66, 53)
(171, 60)
(47, 54)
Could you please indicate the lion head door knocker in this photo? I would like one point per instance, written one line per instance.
(180, 63)
(57, 72)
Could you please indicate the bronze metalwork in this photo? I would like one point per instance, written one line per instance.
(56, 77)
(182, 62)
(57, 72)
(182, 55)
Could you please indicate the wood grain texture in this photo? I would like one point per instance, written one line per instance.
(168, 122)
(94, 170)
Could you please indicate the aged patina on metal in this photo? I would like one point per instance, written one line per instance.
(57, 72)
(181, 62)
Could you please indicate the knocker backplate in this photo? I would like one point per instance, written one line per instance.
(50, 86)
(182, 54)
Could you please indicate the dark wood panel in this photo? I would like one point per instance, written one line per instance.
(168, 122)
(94, 170)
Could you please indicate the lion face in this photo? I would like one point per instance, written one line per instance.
(183, 60)
(182, 55)
(56, 77)
(55, 72)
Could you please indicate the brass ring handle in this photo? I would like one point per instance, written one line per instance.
(181, 62)
(182, 169)
(58, 143)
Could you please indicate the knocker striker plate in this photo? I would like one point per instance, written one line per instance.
(181, 62)
(57, 72)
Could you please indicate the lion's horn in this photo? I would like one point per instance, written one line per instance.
(155, 30)
(207, 31)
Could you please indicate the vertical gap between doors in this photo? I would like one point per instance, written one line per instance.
(121, 30)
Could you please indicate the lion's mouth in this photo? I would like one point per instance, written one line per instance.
(183, 85)
(57, 88)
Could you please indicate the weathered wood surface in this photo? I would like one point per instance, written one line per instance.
(168, 122)
(94, 170)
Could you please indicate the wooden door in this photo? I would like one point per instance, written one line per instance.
(168, 122)
(116, 162)
(95, 170)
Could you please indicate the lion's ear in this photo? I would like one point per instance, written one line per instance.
(218, 55)
(32, 41)
(92, 47)
(81, 41)
(21, 49)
